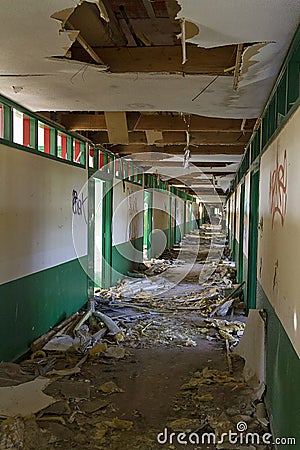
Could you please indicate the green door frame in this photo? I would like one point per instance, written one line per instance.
(91, 236)
(253, 239)
(192, 218)
(176, 228)
(228, 216)
(148, 221)
(184, 219)
(233, 236)
(107, 233)
(171, 232)
(241, 234)
(107, 203)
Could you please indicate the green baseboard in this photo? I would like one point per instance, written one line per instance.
(282, 376)
(31, 305)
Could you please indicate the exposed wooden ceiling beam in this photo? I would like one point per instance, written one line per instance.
(202, 181)
(169, 122)
(238, 63)
(195, 176)
(192, 178)
(206, 137)
(157, 122)
(116, 34)
(81, 122)
(132, 118)
(85, 45)
(212, 61)
(200, 190)
(178, 149)
(178, 137)
(167, 163)
(96, 22)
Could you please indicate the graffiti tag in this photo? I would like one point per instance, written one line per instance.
(278, 189)
(78, 205)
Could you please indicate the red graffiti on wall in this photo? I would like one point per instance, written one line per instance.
(278, 189)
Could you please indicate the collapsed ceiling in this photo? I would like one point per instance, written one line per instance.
(146, 78)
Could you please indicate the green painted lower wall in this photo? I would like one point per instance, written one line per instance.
(191, 225)
(282, 376)
(242, 270)
(235, 257)
(245, 277)
(31, 305)
(124, 256)
(178, 234)
(233, 247)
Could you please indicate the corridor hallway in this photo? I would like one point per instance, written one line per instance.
(163, 369)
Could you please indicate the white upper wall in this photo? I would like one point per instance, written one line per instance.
(36, 213)
(161, 208)
(128, 209)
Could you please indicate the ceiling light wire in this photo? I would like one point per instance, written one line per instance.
(206, 87)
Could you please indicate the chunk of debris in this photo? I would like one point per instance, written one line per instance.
(110, 387)
(212, 376)
(57, 409)
(12, 433)
(113, 328)
(61, 343)
(12, 375)
(70, 389)
(98, 349)
(115, 352)
(91, 406)
(24, 399)
(118, 424)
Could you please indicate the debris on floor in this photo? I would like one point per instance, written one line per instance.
(86, 384)
(24, 399)
(110, 387)
(128, 288)
(157, 266)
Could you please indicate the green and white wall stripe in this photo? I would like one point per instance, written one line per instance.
(277, 274)
(271, 162)
(41, 280)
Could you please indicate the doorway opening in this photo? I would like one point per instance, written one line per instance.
(100, 237)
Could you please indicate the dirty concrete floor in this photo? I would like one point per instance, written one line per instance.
(157, 392)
